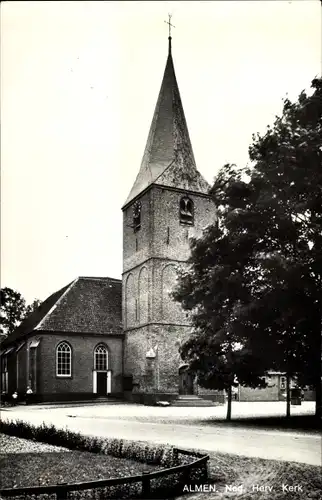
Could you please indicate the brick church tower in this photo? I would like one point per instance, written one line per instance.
(168, 204)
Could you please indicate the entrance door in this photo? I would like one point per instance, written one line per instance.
(101, 383)
(185, 382)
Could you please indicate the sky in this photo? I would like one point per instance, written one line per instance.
(79, 85)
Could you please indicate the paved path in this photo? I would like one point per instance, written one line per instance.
(185, 427)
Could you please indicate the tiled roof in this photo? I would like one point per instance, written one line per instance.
(168, 158)
(86, 306)
(29, 324)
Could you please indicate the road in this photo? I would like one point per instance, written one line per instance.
(185, 428)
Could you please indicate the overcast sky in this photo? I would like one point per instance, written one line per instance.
(78, 88)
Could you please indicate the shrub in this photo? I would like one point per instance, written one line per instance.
(166, 456)
(114, 447)
(151, 454)
(169, 457)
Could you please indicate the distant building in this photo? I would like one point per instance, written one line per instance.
(275, 390)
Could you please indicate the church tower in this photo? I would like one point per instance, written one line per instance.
(167, 204)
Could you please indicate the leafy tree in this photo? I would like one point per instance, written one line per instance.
(13, 310)
(32, 307)
(221, 366)
(286, 188)
(213, 289)
(257, 275)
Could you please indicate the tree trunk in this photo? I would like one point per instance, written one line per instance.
(316, 364)
(288, 397)
(318, 403)
(318, 385)
(229, 398)
(318, 396)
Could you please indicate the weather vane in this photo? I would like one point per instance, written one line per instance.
(170, 25)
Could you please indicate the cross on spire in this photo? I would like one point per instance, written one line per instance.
(171, 26)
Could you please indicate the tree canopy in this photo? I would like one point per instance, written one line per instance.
(255, 278)
(13, 310)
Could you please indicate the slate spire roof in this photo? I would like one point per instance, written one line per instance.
(168, 158)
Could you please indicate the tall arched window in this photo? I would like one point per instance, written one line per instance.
(186, 211)
(63, 360)
(100, 357)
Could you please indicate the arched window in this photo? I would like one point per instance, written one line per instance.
(63, 360)
(100, 357)
(186, 211)
(136, 216)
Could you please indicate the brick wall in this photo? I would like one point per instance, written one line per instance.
(151, 257)
(170, 238)
(166, 364)
(269, 393)
(212, 394)
(82, 363)
(137, 245)
(161, 374)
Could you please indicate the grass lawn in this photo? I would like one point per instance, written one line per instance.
(39, 468)
(235, 476)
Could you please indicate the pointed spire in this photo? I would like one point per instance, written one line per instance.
(168, 158)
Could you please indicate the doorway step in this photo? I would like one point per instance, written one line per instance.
(191, 400)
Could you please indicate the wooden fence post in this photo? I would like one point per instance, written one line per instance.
(186, 476)
(146, 485)
(62, 494)
(175, 456)
(206, 465)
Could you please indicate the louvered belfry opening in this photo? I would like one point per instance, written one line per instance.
(186, 211)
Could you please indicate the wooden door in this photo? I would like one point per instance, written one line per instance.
(101, 383)
(185, 382)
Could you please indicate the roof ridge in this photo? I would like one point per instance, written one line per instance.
(37, 327)
(98, 278)
(160, 175)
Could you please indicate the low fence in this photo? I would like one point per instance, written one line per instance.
(148, 485)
